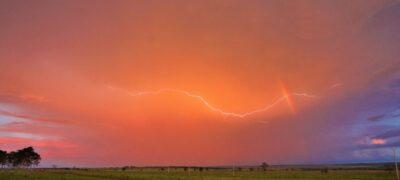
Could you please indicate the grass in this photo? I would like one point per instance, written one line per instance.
(110, 174)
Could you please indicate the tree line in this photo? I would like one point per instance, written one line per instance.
(263, 167)
(23, 158)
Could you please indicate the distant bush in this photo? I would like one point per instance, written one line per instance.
(325, 170)
(264, 166)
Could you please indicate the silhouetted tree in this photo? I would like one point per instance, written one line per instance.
(3, 158)
(26, 157)
(264, 166)
(34, 158)
(12, 159)
(29, 157)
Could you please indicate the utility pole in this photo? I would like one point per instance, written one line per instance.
(233, 170)
(395, 162)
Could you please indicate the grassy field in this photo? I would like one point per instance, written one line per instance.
(109, 174)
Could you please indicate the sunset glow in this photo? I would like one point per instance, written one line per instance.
(180, 82)
(287, 96)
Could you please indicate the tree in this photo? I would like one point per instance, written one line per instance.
(12, 159)
(26, 157)
(29, 157)
(36, 159)
(264, 166)
(3, 158)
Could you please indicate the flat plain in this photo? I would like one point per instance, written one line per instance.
(222, 174)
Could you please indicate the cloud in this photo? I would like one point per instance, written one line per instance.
(336, 85)
(395, 113)
(388, 134)
(376, 117)
(384, 74)
(230, 54)
(29, 117)
(378, 141)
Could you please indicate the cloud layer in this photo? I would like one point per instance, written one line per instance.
(58, 60)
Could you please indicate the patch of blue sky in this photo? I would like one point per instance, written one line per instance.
(9, 107)
(9, 119)
(22, 135)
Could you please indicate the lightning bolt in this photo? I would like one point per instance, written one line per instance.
(213, 108)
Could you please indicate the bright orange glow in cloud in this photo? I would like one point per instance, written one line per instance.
(286, 96)
(378, 141)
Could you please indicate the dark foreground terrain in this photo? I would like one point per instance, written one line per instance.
(279, 173)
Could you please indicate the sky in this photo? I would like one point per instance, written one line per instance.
(184, 82)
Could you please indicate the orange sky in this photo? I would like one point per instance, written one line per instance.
(191, 82)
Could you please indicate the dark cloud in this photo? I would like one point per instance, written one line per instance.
(374, 146)
(376, 117)
(388, 134)
(395, 113)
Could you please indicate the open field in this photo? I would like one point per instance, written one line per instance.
(225, 174)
